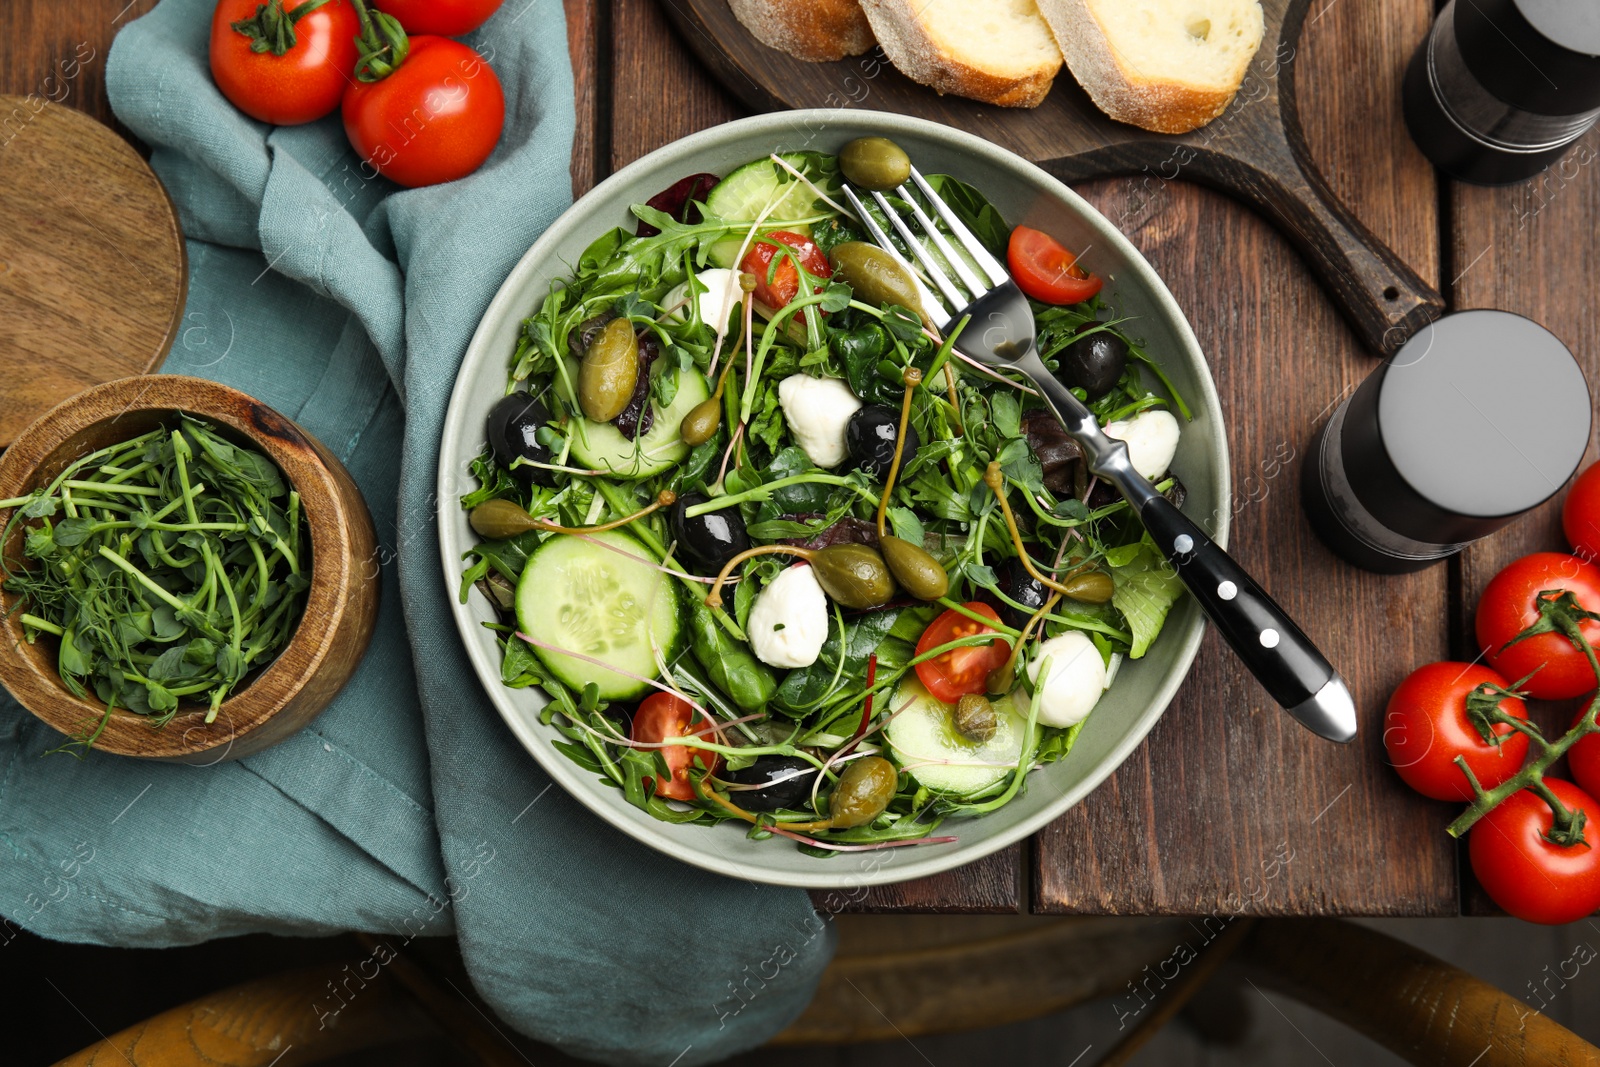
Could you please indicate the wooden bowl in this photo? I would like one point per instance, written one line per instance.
(335, 625)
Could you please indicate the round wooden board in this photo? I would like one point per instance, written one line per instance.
(92, 264)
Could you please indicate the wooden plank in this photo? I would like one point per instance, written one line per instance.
(1230, 806)
(42, 39)
(586, 28)
(1531, 248)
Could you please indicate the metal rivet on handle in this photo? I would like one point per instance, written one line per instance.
(1269, 638)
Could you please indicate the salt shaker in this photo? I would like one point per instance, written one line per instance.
(1481, 416)
(1500, 89)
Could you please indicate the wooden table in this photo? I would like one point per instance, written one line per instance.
(1229, 806)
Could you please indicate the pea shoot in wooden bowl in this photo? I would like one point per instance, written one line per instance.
(185, 574)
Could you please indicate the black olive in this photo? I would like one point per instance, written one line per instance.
(707, 541)
(1016, 583)
(1094, 363)
(792, 792)
(870, 434)
(513, 428)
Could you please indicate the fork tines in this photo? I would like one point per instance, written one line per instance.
(956, 292)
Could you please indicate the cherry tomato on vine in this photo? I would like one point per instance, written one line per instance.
(446, 18)
(435, 119)
(775, 287)
(951, 675)
(1580, 515)
(1046, 271)
(1583, 759)
(1526, 874)
(662, 717)
(303, 83)
(1509, 605)
(1426, 727)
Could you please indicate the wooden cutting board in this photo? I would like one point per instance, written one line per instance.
(92, 264)
(1254, 151)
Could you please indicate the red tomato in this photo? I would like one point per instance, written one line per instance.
(1580, 515)
(662, 717)
(1583, 759)
(303, 84)
(1046, 271)
(1509, 605)
(446, 18)
(433, 120)
(953, 674)
(775, 288)
(1426, 727)
(1526, 874)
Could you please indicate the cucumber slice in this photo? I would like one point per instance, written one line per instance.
(926, 731)
(579, 596)
(743, 195)
(600, 446)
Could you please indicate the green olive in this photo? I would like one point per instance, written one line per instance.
(609, 373)
(875, 163)
(917, 572)
(700, 425)
(974, 718)
(863, 793)
(854, 575)
(500, 519)
(1090, 587)
(875, 276)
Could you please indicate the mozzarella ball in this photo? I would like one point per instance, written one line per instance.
(817, 410)
(1076, 680)
(722, 295)
(1152, 438)
(789, 620)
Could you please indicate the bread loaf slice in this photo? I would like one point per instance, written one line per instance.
(819, 31)
(996, 51)
(1164, 65)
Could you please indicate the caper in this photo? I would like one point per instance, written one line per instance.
(875, 163)
(700, 425)
(875, 276)
(500, 519)
(1090, 587)
(609, 373)
(974, 718)
(917, 572)
(863, 792)
(854, 575)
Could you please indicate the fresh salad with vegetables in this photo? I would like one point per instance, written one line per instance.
(777, 552)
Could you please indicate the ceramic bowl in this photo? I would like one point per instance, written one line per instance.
(1024, 194)
(336, 622)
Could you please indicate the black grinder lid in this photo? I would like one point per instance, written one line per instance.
(1539, 55)
(1480, 417)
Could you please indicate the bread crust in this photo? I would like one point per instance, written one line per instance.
(1162, 105)
(818, 31)
(910, 49)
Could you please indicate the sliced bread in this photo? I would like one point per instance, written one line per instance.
(997, 51)
(1164, 65)
(819, 31)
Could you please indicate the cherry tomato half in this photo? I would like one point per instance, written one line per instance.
(1046, 271)
(662, 717)
(953, 674)
(1580, 515)
(1526, 874)
(446, 18)
(1583, 759)
(302, 85)
(1426, 727)
(775, 287)
(1509, 605)
(433, 120)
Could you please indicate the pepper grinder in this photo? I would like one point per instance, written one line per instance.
(1500, 89)
(1481, 416)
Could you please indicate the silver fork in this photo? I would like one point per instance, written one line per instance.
(1275, 650)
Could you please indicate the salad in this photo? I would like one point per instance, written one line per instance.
(777, 553)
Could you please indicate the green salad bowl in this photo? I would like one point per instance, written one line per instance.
(1024, 194)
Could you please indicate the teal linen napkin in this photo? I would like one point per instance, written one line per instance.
(407, 809)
